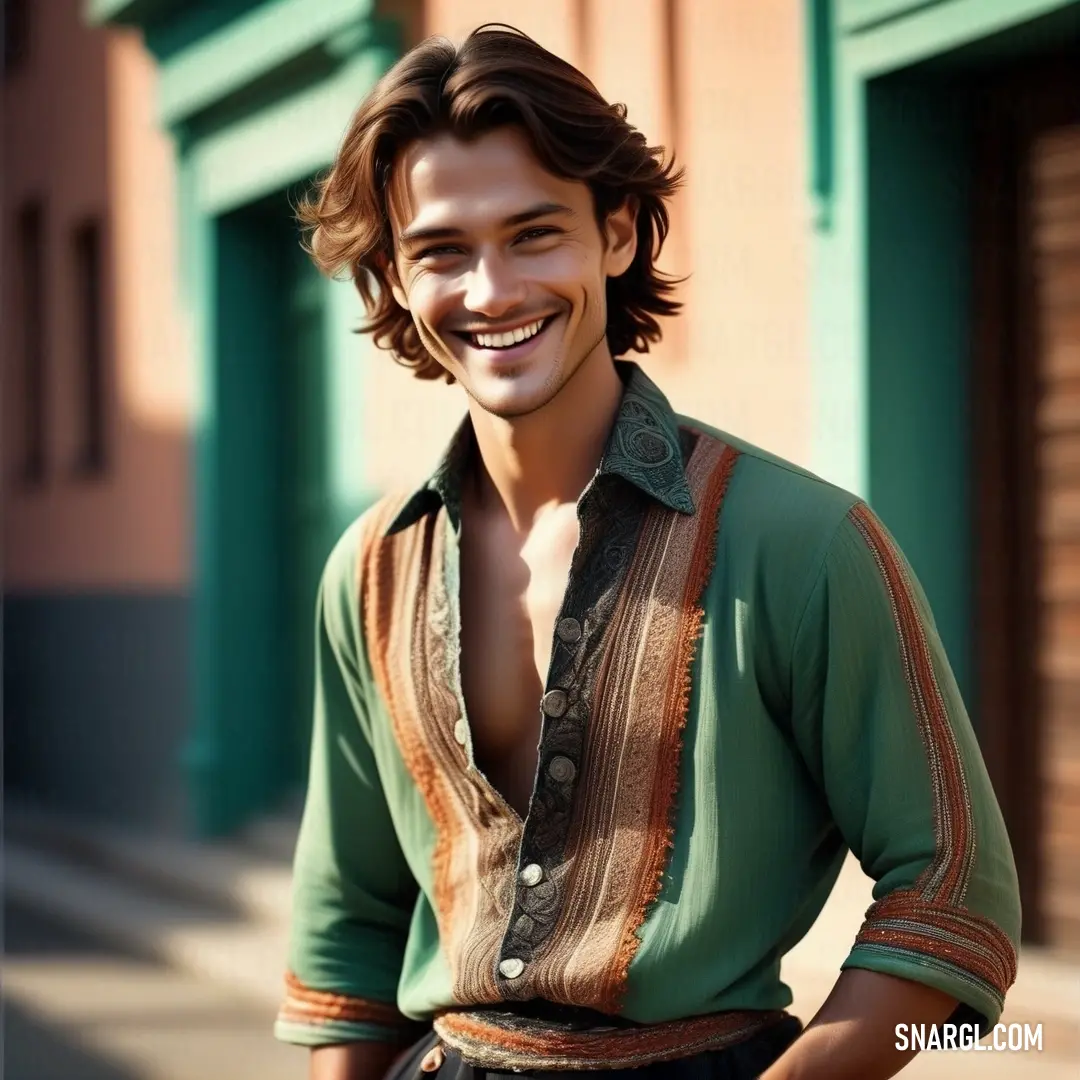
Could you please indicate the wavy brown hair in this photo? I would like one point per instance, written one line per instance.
(498, 76)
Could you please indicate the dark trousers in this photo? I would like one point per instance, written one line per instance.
(744, 1061)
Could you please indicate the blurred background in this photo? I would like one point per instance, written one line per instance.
(882, 231)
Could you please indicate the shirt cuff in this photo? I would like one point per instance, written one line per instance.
(310, 1017)
(951, 949)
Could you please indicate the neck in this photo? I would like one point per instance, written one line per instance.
(535, 463)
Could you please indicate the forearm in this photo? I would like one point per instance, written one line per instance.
(853, 1036)
(352, 1061)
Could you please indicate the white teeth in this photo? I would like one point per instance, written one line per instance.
(511, 337)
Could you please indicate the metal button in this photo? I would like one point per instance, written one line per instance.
(511, 968)
(561, 769)
(554, 702)
(461, 731)
(532, 874)
(569, 630)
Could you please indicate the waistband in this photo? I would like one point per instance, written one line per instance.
(513, 1041)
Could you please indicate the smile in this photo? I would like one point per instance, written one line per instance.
(509, 338)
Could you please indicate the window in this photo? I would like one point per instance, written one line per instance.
(91, 456)
(30, 239)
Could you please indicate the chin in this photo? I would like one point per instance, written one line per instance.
(512, 394)
(509, 404)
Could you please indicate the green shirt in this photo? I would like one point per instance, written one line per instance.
(745, 682)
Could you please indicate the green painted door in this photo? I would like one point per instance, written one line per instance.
(274, 512)
(306, 504)
(918, 236)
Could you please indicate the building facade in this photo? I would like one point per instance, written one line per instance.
(880, 235)
(96, 544)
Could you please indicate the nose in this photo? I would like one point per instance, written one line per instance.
(493, 288)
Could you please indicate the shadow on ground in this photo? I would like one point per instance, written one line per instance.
(37, 1050)
(78, 1009)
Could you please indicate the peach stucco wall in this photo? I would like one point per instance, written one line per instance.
(79, 131)
(740, 85)
(728, 97)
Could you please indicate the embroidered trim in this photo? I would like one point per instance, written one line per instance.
(717, 462)
(612, 517)
(506, 1041)
(965, 944)
(945, 880)
(411, 635)
(620, 828)
(929, 922)
(307, 1006)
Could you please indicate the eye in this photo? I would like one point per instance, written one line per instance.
(437, 252)
(535, 233)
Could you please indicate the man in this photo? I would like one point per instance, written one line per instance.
(603, 704)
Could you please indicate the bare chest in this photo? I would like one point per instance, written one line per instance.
(511, 593)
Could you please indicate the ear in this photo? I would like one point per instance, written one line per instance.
(620, 235)
(394, 279)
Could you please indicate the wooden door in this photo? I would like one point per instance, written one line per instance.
(1026, 407)
(1053, 223)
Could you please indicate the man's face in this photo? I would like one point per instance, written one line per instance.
(503, 266)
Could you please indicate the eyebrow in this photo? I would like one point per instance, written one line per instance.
(443, 232)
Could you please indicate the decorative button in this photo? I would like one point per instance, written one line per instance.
(569, 630)
(561, 769)
(532, 874)
(554, 702)
(511, 968)
(524, 927)
(461, 731)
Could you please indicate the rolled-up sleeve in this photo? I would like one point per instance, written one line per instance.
(880, 722)
(352, 890)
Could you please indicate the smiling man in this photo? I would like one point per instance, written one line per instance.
(603, 704)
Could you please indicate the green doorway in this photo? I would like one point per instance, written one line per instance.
(273, 501)
(954, 392)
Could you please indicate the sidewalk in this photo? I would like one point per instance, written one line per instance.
(220, 911)
(75, 1009)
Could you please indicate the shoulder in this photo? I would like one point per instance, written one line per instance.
(790, 535)
(775, 507)
(782, 534)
